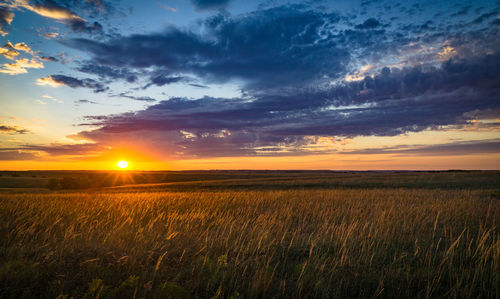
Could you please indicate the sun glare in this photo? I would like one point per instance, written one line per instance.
(122, 164)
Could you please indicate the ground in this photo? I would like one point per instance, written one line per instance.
(250, 234)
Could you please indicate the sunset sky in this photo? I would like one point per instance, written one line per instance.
(239, 84)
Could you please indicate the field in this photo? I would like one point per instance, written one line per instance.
(245, 234)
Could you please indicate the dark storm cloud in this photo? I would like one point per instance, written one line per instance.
(76, 83)
(209, 4)
(270, 48)
(294, 63)
(393, 102)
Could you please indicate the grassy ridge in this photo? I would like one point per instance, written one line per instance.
(321, 243)
(248, 180)
(487, 180)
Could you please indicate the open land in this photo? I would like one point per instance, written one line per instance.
(249, 234)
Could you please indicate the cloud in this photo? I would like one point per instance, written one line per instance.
(8, 51)
(391, 102)
(16, 155)
(370, 23)
(265, 49)
(169, 8)
(160, 80)
(137, 98)
(485, 16)
(56, 149)
(282, 47)
(106, 72)
(46, 96)
(210, 4)
(11, 52)
(62, 80)
(20, 66)
(83, 101)
(6, 18)
(49, 81)
(198, 85)
(49, 58)
(10, 130)
(23, 47)
(305, 75)
(473, 147)
(54, 10)
(50, 35)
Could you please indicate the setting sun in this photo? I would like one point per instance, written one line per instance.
(122, 164)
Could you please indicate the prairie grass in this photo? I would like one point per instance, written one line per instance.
(318, 243)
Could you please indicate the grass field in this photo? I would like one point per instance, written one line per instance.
(253, 235)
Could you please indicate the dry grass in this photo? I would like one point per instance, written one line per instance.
(295, 243)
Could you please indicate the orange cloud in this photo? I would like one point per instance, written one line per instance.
(23, 47)
(53, 12)
(9, 51)
(49, 81)
(20, 66)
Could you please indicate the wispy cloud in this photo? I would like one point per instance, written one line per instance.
(16, 155)
(472, 147)
(10, 130)
(53, 10)
(46, 96)
(62, 80)
(169, 8)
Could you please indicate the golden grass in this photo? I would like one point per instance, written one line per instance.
(295, 243)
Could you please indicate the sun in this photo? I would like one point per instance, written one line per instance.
(122, 164)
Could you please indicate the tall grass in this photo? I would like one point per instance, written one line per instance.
(295, 243)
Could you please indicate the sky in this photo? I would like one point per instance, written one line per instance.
(241, 84)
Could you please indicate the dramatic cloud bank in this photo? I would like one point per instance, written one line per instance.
(301, 78)
(303, 74)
